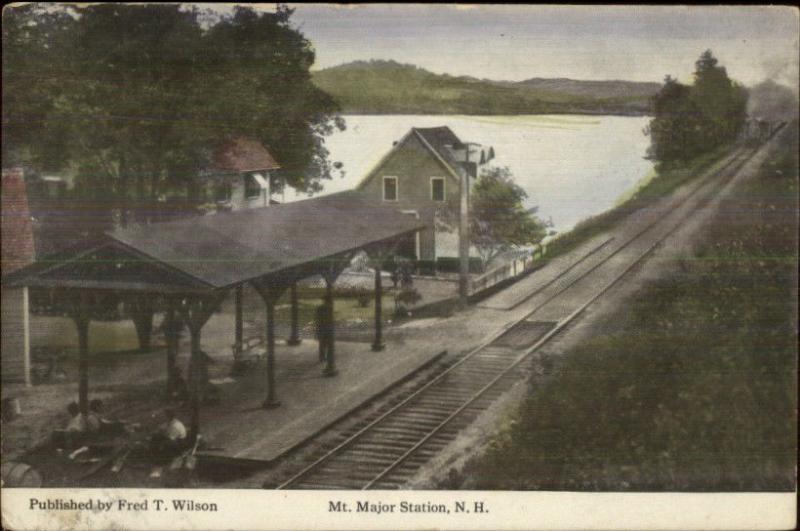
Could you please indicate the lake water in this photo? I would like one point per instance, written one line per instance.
(571, 166)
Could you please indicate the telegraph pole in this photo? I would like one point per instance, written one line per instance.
(463, 235)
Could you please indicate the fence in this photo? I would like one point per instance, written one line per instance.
(513, 268)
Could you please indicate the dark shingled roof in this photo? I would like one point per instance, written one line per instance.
(243, 154)
(229, 248)
(438, 138)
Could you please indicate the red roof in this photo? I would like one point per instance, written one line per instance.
(244, 154)
(17, 232)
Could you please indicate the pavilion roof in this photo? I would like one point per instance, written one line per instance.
(225, 249)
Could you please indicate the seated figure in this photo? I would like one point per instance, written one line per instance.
(94, 421)
(77, 422)
(170, 439)
(74, 433)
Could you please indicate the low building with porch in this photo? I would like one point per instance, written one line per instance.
(421, 177)
(242, 175)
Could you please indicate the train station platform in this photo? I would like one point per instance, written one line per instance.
(239, 428)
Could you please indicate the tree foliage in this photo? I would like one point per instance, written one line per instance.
(694, 119)
(135, 98)
(498, 220)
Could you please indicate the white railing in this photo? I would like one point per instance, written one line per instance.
(494, 276)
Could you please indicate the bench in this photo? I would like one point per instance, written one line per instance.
(249, 353)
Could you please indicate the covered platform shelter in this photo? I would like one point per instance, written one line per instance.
(187, 266)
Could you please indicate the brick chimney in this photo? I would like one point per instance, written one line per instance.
(17, 230)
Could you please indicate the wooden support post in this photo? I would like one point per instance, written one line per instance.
(79, 311)
(196, 311)
(271, 401)
(378, 344)
(141, 310)
(330, 272)
(270, 291)
(82, 323)
(294, 337)
(239, 341)
(171, 331)
(196, 389)
(330, 333)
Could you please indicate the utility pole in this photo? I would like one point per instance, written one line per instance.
(463, 235)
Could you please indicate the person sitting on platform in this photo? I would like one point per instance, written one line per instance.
(170, 439)
(74, 433)
(97, 423)
(77, 422)
(94, 421)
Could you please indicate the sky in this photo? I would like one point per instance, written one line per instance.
(514, 42)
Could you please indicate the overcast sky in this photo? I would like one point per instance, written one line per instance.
(513, 42)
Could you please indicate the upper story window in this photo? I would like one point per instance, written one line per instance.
(390, 188)
(437, 189)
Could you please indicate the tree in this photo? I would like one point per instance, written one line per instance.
(135, 98)
(498, 221)
(722, 102)
(674, 129)
(690, 120)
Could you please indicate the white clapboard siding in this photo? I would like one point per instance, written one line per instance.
(15, 348)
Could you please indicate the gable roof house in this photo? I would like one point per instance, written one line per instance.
(240, 175)
(421, 175)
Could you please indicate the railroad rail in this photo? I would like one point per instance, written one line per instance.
(388, 450)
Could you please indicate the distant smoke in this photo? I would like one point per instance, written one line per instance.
(771, 101)
(782, 70)
(776, 98)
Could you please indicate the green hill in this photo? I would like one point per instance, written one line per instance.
(387, 87)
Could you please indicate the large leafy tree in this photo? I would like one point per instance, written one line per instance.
(135, 98)
(722, 102)
(35, 48)
(674, 131)
(694, 119)
(498, 221)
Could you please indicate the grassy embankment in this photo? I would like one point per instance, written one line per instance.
(692, 385)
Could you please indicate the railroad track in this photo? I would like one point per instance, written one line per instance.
(386, 451)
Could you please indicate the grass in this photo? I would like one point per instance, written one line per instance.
(345, 310)
(104, 336)
(692, 385)
(119, 337)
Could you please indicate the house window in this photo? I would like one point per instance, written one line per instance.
(437, 189)
(390, 188)
(252, 188)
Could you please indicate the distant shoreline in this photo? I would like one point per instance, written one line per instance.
(559, 113)
(388, 87)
